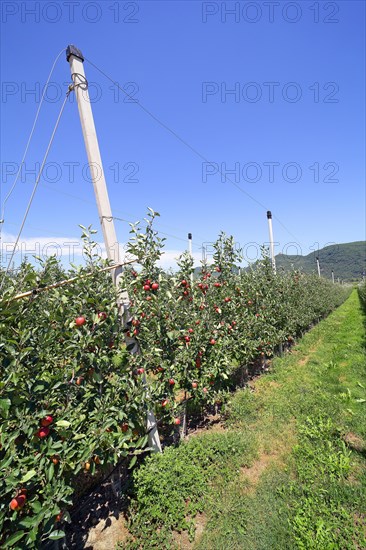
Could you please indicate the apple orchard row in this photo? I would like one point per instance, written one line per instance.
(72, 398)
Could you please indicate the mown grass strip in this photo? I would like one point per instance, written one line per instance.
(309, 418)
(289, 470)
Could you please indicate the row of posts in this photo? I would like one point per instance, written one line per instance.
(79, 86)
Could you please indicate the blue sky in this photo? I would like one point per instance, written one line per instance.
(271, 93)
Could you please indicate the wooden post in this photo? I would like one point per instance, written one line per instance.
(76, 61)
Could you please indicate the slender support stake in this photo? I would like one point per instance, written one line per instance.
(271, 244)
(76, 60)
(190, 250)
(318, 265)
(332, 276)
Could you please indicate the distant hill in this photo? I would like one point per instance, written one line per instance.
(348, 261)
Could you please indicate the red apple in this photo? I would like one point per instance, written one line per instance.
(18, 502)
(177, 421)
(102, 315)
(194, 385)
(46, 421)
(212, 341)
(124, 427)
(140, 371)
(43, 432)
(187, 339)
(171, 381)
(164, 403)
(155, 286)
(79, 321)
(146, 287)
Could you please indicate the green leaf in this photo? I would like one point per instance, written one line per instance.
(6, 463)
(141, 442)
(29, 476)
(27, 522)
(55, 535)
(14, 538)
(78, 436)
(37, 506)
(63, 423)
(132, 463)
(4, 407)
(50, 472)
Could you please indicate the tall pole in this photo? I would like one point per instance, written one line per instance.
(271, 244)
(318, 265)
(332, 276)
(76, 60)
(190, 251)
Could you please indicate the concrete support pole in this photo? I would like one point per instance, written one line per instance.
(271, 243)
(318, 265)
(190, 251)
(76, 61)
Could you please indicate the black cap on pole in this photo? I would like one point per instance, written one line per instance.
(269, 214)
(190, 236)
(73, 50)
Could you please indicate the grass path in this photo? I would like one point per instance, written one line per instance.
(289, 469)
(308, 488)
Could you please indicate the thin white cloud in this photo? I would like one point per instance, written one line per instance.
(70, 250)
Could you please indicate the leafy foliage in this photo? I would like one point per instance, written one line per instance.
(168, 502)
(362, 294)
(73, 400)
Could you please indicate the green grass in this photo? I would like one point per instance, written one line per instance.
(289, 469)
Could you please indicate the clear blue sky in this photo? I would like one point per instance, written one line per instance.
(297, 112)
